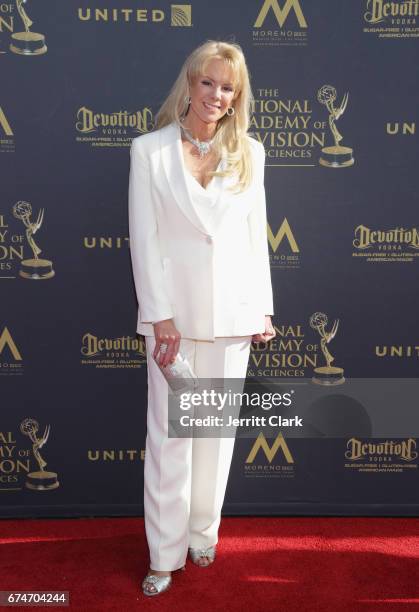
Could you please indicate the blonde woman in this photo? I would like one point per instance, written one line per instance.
(197, 223)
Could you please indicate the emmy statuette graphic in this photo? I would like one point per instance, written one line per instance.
(328, 374)
(40, 480)
(336, 156)
(27, 42)
(35, 268)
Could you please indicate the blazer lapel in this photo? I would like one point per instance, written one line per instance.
(174, 167)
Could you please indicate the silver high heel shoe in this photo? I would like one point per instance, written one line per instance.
(160, 583)
(198, 553)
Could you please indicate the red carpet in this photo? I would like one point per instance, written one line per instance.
(286, 564)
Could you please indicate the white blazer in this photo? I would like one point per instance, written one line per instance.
(213, 279)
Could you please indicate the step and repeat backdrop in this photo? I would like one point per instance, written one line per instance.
(336, 96)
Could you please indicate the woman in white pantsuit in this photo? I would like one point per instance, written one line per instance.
(197, 224)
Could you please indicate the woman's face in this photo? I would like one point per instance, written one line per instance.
(212, 92)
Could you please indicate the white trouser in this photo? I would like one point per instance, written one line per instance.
(185, 478)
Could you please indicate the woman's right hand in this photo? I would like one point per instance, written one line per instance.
(165, 332)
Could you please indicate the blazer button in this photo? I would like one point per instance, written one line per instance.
(209, 239)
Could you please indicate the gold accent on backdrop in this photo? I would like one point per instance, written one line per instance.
(270, 451)
(336, 156)
(35, 268)
(40, 480)
(326, 375)
(6, 339)
(181, 15)
(27, 42)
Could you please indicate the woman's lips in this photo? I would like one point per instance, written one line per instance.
(211, 106)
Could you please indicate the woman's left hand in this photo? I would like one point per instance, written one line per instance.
(269, 332)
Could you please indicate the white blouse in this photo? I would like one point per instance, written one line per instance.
(204, 198)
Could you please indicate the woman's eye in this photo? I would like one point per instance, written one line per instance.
(225, 88)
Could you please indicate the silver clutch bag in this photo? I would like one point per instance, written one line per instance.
(179, 375)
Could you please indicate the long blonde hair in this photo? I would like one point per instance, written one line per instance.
(230, 140)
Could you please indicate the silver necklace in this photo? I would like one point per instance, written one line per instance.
(203, 146)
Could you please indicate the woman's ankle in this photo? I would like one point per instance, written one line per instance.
(159, 572)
